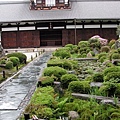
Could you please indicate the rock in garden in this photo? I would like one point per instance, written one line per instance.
(73, 115)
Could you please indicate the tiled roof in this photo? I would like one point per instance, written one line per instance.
(79, 10)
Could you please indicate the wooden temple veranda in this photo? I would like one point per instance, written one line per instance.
(36, 23)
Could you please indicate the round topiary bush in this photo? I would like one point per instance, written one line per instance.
(92, 53)
(118, 50)
(105, 49)
(62, 53)
(3, 61)
(55, 62)
(98, 77)
(102, 59)
(9, 65)
(15, 60)
(45, 81)
(108, 89)
(112, 75)
(115, 56)
(79, 86)
(54, 71)
(117, 91)
(67, 78)
(102, 54)
(67, 65)
(111, 42)
(22, 57)
(111, 69)
(83, 44)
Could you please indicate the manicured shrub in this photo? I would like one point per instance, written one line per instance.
(67, 78)
(111, 75)
(74, 64)
(111, 42)
(84, 50)
(15, 60)
(115, 56)
(118, 50)
(102, 59)
(98, 77)
(108, 89)
(3, 61)
(54, 71)
(113, 46)
(45, 81)
(92, 53)
(55, 62)
(105, 49)
(64, 63)
(9, 65)
(111, 69)
(102, 54)
(22, 57)
(117, 91)
(84, 55)
(67, 65)
(83, 44)
(71, 46)
(79, 86)
(62, 53)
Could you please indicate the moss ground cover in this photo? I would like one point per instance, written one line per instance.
(52, 104)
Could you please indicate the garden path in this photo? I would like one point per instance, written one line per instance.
(16, 92)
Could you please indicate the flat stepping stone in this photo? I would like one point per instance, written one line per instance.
(96, 84)
(98, 98)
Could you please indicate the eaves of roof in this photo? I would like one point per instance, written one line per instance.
(79, 10)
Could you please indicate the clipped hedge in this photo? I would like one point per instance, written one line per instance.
(110, 89)
(102, 54)
(111, 69)
(115, 56)
(64, 63)
(62, 53)
(112, 75)
(45, 81)
(79, 86)
(22, 57)
(15, 60)
(98, 77)
(105, 49)
(9, 65)
(54, 71)
(67, 78)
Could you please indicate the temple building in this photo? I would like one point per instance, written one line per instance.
(37, 23)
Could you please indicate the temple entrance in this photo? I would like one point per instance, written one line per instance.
(51, 38)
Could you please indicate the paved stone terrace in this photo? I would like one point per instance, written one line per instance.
(16, 92)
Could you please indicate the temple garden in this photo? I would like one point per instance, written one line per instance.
(80, 82)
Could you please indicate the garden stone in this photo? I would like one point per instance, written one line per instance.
(95, 51)
(107, 101)
(71, 72)
(96, 84)
(58, 88)
(73, 115)
(89, 55)
(98, 70)
(117, 44)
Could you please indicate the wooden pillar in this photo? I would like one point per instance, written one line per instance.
(17, 37)
(75, 31)
(83, 30)
(0, 35)
(101, 28)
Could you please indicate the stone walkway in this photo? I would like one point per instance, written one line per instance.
(16, 92)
